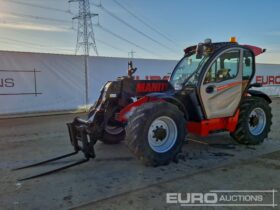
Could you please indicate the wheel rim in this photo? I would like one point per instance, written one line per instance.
(113, 130)
(257, 121)
(162, 134)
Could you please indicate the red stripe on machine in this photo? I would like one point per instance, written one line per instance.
(223, 87)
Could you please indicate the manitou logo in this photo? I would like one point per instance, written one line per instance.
(268, 80)
(145, 87)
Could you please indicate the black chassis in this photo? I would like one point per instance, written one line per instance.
(114, 96)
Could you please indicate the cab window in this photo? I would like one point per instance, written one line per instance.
(224, 68)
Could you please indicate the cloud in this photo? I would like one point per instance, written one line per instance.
(15, 22)
(32, 26)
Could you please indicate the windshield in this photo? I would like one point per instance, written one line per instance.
(187, 71)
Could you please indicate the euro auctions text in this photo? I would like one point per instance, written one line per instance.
(224, 198)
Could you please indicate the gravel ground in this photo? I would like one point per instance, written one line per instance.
(115, 179)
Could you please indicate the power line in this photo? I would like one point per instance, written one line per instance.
(124, 39)
(131, 54)
(31, 43)
(39, 17)
(38, 6)
(33, 49)
(34, 45)
(45, 46)
(132, 27)
(109, 45)
(5, 22)
(25, 42)
(142, 21)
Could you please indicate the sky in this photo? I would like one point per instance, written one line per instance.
(158, 29)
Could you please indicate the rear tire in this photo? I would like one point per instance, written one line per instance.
(113, 138)
(112, 134)
(155, 133)
(254, 121)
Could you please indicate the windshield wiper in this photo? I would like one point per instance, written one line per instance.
(195, 72)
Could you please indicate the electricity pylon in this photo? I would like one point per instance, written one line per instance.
(85, 34)
(85, 38)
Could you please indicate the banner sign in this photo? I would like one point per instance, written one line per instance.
(269, 76)
(11, 82)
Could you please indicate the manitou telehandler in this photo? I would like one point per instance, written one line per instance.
(209, 91)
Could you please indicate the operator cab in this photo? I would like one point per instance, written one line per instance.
(211, 78)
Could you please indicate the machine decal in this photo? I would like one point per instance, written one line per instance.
(223, 87)
(145, 87)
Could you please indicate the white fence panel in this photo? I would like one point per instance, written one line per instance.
(34, 82)
(269, 76)
(40, 82)
(103, 69)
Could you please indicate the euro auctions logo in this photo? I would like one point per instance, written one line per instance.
(233, 198)
(192, 198)
(268, 80)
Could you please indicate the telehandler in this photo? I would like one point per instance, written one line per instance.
(209, 91)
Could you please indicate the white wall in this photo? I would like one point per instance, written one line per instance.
(269, 76)
(60, 79)
(103, 69)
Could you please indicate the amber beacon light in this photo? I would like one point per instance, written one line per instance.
(233, 39)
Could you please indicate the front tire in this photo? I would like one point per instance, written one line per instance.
(254, 121)
(155, 133)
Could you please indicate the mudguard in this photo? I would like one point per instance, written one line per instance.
(152, 97)
(169, 97)
(258, 93)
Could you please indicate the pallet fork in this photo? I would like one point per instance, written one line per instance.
(79, 138)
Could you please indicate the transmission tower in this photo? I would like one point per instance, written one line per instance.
(85, 37)
(131, 54)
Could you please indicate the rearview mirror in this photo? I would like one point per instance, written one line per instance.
(247, 62)
(199, 51)
(257, 85)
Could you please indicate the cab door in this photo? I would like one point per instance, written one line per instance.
(221, 87)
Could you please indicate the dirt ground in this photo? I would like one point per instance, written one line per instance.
(116, 180)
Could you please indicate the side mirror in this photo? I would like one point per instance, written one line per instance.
(257, 85)
(247, 62)
(199, 51)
